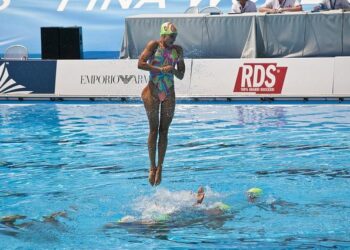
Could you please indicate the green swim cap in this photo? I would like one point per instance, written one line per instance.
(126, 219)
(224, 207)
(162, 218)
(167, 29)
(254, 192)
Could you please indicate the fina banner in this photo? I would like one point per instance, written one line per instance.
(107, 78)
(253, 77)
(20, 78)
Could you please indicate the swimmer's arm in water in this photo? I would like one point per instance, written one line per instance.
(179, 72)
(146, 54)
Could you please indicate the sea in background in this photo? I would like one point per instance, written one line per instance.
(87, 55)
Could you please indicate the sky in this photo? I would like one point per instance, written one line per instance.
(21, 20)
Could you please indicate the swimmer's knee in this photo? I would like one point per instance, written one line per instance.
(153, 130)
(163, 131)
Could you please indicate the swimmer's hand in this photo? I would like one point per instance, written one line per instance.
(167, 69)
(200, 195)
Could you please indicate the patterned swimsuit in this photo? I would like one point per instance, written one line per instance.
(163, 81)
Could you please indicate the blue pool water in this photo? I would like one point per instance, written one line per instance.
(90, 160)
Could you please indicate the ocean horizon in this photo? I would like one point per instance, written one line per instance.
(86, 54)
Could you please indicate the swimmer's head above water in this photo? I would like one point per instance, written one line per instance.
(254, 193)
(168, 33)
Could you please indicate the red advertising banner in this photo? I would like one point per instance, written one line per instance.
(260, 78)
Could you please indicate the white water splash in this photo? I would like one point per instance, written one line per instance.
(165, 202)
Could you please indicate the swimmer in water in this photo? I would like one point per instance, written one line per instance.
(164, 60)
(197, 214)
(10, 222)
(254, 196)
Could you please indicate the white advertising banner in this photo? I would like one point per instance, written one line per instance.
(114, 78)
(255, 77)
(341, 76)
(286, 77)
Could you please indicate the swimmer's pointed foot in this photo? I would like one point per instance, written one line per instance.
(151, 175)
(158, 178)
(200, 195)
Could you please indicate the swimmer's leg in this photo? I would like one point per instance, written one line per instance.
(151, 104)
(52, 217)
(11, 219)
(200, 195)
(166, 116)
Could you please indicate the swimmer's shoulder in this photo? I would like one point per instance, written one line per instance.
(149, 50)
(178, 49)
(179, 52)
(152, 45)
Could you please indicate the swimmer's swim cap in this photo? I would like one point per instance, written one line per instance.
(167, 29)
(127, 219)
(224, 207)
(254, 192)
(162, 218)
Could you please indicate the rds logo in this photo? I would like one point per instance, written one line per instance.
(260, 78)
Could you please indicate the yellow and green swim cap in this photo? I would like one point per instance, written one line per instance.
(224, 207)
(254, 192)
(168, 28)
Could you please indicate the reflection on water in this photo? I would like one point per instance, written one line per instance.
(268, 115)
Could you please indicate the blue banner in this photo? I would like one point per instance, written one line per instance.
(27, 77)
